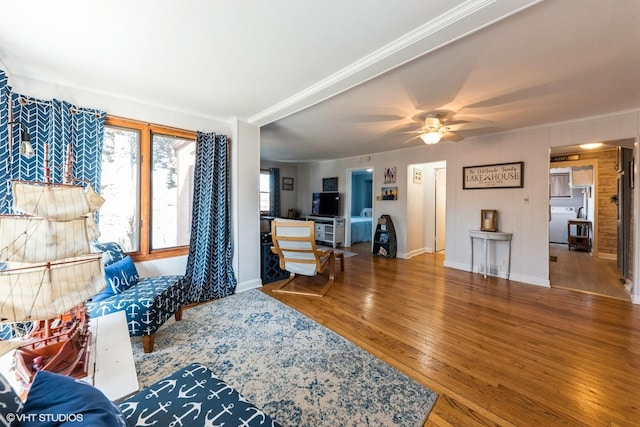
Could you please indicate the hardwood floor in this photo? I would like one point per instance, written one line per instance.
(579, 270)
(498, 352)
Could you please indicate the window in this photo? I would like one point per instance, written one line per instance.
(265, 192)
(147, 181)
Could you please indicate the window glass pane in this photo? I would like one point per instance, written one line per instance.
(265, 191)
(173, 161)
(120, 214)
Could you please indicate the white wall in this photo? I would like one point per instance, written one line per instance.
(245, 212)
(522, 211)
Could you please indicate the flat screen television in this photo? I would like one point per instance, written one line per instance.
(326, 204)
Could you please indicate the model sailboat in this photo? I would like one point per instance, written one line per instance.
(47, 272)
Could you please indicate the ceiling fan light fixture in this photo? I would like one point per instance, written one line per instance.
(430, 138)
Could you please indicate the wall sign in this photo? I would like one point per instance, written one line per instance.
(503, 175)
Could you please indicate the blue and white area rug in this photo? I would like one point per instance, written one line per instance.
(295, 369)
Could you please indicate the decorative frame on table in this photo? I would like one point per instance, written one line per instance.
(389, 193)
(417, 176)
(390, 175)
(287, 183)
(330, 184)
(501, 175)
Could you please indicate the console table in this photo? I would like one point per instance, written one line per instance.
(491, 236)
(111, 365)
(328, 229)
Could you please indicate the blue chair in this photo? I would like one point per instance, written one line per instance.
(147, 302)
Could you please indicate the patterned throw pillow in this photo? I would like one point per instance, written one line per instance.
(10, 404)
(58, 400)
(121, 275)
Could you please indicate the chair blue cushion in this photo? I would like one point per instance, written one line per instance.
(58, 400)
(10, 404)
(147, 305)
(192, 396)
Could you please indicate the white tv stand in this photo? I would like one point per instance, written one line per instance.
(328, 229)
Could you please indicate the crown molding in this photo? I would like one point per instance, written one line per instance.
(458, 22)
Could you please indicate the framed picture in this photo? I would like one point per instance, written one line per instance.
(501, 175)
(389, 193)
(330, 184)
(390, 175)
(417, 176)
(287, 183)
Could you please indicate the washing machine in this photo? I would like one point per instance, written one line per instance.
(558, 225)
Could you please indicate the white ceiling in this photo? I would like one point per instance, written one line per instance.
(335, 78)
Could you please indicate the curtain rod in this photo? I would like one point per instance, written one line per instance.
(22, 100)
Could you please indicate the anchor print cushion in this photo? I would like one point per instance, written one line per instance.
(192, 396)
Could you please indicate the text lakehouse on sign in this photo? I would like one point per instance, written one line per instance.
(503, 175)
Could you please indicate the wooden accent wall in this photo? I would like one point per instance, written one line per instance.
(606, 214)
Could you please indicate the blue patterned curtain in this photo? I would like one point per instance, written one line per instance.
(5, 159)
(274, 191)
(57, 124)
(209, 274)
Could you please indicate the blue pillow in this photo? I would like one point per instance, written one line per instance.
(111, 252)
(58, 400)
(121, 275)
(10, 404)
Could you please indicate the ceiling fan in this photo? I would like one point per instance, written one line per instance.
(441, 124)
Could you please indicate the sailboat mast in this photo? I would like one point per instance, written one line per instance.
(47, 170)
(67, 165)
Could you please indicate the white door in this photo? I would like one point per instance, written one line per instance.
(441, 207)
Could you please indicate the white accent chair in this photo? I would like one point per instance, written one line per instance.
(294, 243)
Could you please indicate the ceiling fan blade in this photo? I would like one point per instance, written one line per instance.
(469, 125)
(441, 114)
(411, 139)
(450, 136)
(370, 118)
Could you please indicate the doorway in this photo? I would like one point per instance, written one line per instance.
(592, 268)
(359, 211)
(426, 208)
(440, 208)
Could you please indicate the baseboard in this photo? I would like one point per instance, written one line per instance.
(605, 255)
(415, 252)
(248, 285)
(529, 280)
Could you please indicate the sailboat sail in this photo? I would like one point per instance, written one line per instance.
(43, 292)
(32, 239)
(55, 202)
